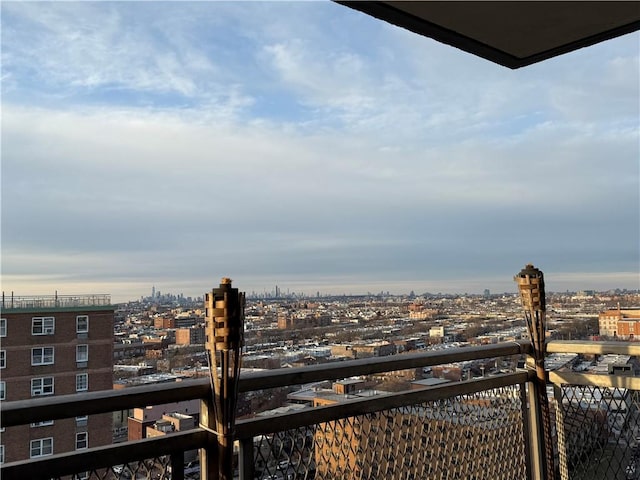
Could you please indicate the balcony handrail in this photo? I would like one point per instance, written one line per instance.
(369, 366)
(593, 348)
(55, 407)
(275, 423)
(22, 412)
(595, 380)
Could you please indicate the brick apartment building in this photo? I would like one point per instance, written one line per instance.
(55, 345)
(454, 438)
(292, 320)
(620, 323)
(190, 336)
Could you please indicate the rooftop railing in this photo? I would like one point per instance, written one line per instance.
(484, 428)
(54, 301)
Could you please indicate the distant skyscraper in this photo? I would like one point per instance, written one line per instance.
(153, 292)
(487, 293)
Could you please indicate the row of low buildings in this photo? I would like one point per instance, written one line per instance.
(153, 346)
(620, 323)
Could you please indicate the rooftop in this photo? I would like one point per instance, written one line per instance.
(50, 303)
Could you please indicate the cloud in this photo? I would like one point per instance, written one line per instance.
(62, 53)
(271, 148)
(127, 185)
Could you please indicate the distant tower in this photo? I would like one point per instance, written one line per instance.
(487, 293)
(153, 292)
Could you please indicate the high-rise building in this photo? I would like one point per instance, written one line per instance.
(55, 345)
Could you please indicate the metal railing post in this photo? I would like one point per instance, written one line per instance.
(526, 430)
(560, 433)
(536, 436)
(177, 465)
(208, 454)
(245, 460)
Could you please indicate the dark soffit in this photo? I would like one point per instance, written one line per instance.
(511, 33)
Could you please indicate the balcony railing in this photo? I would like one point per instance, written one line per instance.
(10, 302)
(481, 428)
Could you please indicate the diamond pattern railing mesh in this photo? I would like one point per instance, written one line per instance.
(151, 468)
(598, 432)
(475, 436)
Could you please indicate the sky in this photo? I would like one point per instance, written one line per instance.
(305, 145)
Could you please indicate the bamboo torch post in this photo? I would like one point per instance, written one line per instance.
(530, 282)
(224, 340)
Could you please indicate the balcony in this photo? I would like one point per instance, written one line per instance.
(484, 428)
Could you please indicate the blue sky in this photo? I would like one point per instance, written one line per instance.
(305, 145)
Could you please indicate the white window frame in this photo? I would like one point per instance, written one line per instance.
(85, 319)
(46, 423)
(45, 359)
(82, 421)
(82, 357)
(43, 325)
(3, 327)
(85, 442)
(3, 390)
(41, 445)
(1, 454)
(46, 386)
(84, 384)
(3, 358)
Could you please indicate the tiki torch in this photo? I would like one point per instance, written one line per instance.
(224, 340)
(530, 282)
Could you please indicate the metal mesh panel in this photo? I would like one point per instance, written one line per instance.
(477, 436)
(598, 432)
(153, 468)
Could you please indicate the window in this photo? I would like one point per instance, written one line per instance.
(41, 386)
(81, 476)
(3, 358)
(46, 423)
(82, 382)
(82, 440)
(43, 325)
(42, 356)
(82, 421)
(82, 353)
(82, 323)
(1, 453)
(41, 447)
(3, 390)
(3, 327)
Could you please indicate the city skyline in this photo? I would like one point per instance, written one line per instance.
(309, 146)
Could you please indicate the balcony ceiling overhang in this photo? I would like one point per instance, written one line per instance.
(511, 33)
